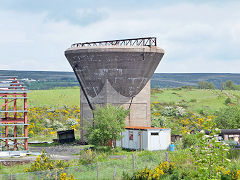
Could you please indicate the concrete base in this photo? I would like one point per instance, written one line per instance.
(139, 106)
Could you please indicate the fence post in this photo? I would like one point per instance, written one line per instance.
(133, 158)
(97, 172)
(11, 176)
(55, 173)
(114, 172)
(167, 157)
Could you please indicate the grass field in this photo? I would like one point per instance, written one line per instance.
(193, 99)
(196, 99)
(54, 97)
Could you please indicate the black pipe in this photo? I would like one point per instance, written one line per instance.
(130, 103)
(81, 86)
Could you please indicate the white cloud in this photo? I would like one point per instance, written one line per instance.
(196, 37)
(199, 65)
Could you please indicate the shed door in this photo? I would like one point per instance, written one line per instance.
(165, 139)
(154, 143)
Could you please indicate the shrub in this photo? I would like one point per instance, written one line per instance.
(193, 100)
(169, 111)
(228, 101)
(228, 118)
(174, 111)
(233, 174)
(209, 154)
(189, 140)
(234, 153)
(44, 164)
(57, 125)
(159, 121)
(87, 156)
(163, 169)
(108, 123)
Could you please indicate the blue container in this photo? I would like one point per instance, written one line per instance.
(171, 147)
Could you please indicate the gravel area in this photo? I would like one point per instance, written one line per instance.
(58, 150)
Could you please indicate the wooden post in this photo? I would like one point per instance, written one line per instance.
(114, 173)
(97, 172)
(133, 158)
(167, 157)
(56, 174)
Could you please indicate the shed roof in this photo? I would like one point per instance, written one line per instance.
(142, 128)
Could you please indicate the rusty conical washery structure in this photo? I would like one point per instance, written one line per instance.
(116, 72)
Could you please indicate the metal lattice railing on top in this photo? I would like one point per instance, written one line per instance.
(148, 41)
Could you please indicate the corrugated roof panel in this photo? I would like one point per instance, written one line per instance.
(141, 128)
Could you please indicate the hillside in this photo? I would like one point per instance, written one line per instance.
(52, 79)
(164, 80)
(193, 99)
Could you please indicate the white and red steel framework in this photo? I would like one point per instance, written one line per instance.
(13, 117)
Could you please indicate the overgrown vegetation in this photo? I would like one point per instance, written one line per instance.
(209, 155)
(51, 169)
(228, 118)
(44, 121)
(185, 111)
(162, 170)
(108, 123)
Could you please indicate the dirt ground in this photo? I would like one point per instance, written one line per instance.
(64, 150)
(60, 152)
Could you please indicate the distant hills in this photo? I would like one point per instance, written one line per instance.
(43, 79)
(165, 80)
(53, 79)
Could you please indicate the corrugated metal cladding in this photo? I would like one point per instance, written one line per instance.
(151, 139)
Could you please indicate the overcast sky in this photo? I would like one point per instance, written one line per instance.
(197, 35)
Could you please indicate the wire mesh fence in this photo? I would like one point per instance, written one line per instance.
(112, 169)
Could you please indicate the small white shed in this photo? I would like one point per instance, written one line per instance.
(145, 138)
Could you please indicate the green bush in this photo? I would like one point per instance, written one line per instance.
(209, 155)
(234, 154)
(87, 156)
(228, 101)
(43, 163)
(189, 140)
(160, 171)
(108, 123)
(193, 100)
(178, 144)
(228, 118)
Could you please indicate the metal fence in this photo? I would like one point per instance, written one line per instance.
(113, 169)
